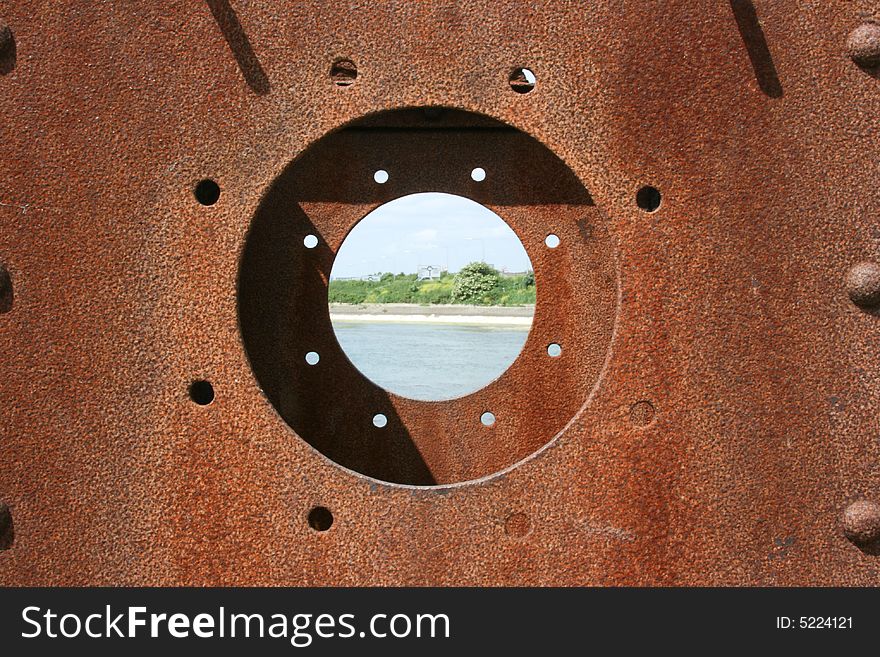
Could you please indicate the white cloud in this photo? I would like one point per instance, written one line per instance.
(429, 228)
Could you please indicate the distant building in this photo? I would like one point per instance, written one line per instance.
(366, 277)
(429, 272)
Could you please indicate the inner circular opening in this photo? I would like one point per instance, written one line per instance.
(207, 192)
(201, 392)
(320, 518)
(522, 80)
(431, 296)
(648, 199)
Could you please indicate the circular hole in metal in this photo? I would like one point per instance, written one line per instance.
(552, 241)
(415, 305)
(310, 241)
(313, 357)
(381, 176)
(7, 48)
(478, 174)
(207, 192)
(320, 518)
(343, 72)
(201, 392)
(6, 295)
(522, 80)
(379, 420)
(487, 419)
(554, 350)
(7, 532)
(282, 298)
(648, 198)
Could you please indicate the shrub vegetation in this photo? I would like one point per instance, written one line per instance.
(476, 283)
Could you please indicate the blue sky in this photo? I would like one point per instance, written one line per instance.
(429, 229)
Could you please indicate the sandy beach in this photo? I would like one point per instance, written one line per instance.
(441, 314)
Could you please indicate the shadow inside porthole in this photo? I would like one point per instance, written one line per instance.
(284, 316)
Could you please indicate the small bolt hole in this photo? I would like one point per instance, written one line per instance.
(7, 48)
(648, 199)
(207, 192)
(552, 241)
(5, 290)
(343, 72)
(7, 533)
(379, 420)
(554, 350)
(310, 241)
(201, 392)
(487, 419)
(478, 174)
(522, 80)
(381, 176)
(312, 358)
(320, 519)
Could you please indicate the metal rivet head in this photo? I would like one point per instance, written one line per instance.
(863, 44)
(861, 523)
(863, 284)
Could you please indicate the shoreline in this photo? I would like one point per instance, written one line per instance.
(402, 313)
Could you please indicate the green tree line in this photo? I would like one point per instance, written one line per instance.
(477, 283)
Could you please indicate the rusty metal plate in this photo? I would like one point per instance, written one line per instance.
(714, 417)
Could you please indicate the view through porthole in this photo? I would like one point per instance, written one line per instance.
(431, 296)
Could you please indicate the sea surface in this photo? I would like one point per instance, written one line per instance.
(430, 361)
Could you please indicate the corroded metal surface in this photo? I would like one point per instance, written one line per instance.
(716, 421)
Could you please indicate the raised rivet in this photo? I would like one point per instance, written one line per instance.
(6, 532)
(861, 523)
(863, 44)
(863, 284)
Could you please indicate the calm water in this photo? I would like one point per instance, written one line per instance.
(430, 361)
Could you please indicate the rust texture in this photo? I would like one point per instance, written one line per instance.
(713, 416)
